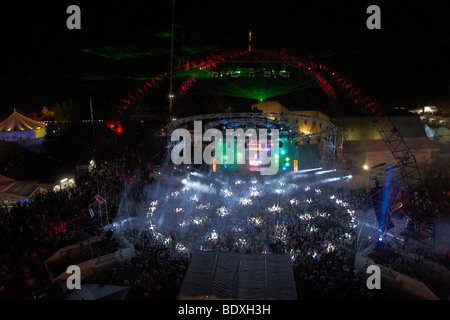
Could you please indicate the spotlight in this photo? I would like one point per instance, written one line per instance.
(380, 243)
(323, 171)
(330, 180)
(309, 170)
(99, 198)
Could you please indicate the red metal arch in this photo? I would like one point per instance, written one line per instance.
(321, 74)
(326, 78)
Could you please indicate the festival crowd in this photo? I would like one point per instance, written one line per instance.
(322, 246)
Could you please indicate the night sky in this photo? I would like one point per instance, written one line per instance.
(121, 44)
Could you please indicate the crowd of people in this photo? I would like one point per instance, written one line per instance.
(313, 226)
(30, 232)
(155, 273)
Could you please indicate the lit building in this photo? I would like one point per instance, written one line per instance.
(363, 146)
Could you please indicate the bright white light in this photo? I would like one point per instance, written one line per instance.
(184, 223)
(223, 211)
(330, 180)
(255, 163)
(198, 186)
(245, 202)
(203, 206)
(275, 208)
(226, 193)
(255, 220)
(214, 235)
(324, 171)
(254, 192)
(198, 220)
(197, 174)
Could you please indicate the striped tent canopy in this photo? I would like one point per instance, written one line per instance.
(18, 122)
(18, 127)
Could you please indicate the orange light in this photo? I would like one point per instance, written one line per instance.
(214, 165)
(295, 165)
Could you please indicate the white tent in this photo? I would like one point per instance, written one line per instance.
(17, 128)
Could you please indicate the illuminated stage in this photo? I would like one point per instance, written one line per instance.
(230, 205)
(299, 148)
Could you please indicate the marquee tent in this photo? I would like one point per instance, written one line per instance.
(17, 128)
(218, 275)
(12, 190)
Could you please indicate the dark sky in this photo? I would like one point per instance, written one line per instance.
(122, 43)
